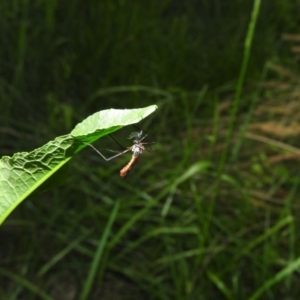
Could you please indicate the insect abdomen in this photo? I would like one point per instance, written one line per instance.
(129, 166)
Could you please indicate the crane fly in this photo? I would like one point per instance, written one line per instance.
(137, 149)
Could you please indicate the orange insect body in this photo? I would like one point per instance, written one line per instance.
(129, 166)
(137, 150)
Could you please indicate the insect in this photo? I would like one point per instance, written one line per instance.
(137, 149)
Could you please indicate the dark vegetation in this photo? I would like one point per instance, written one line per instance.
(203, 216)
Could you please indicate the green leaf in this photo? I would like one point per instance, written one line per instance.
(39, 170)
(107, 121)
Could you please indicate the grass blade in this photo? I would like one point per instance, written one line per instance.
(27, 284)
(288, 270)
(98, 254)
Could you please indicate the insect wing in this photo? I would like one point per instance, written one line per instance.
(135, 134)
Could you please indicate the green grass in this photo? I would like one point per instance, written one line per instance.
(208, 214)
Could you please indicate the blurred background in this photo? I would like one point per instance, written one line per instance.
(213, 211)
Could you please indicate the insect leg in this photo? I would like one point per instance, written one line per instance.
(149, 148)
(109, 158)
(117, 142)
